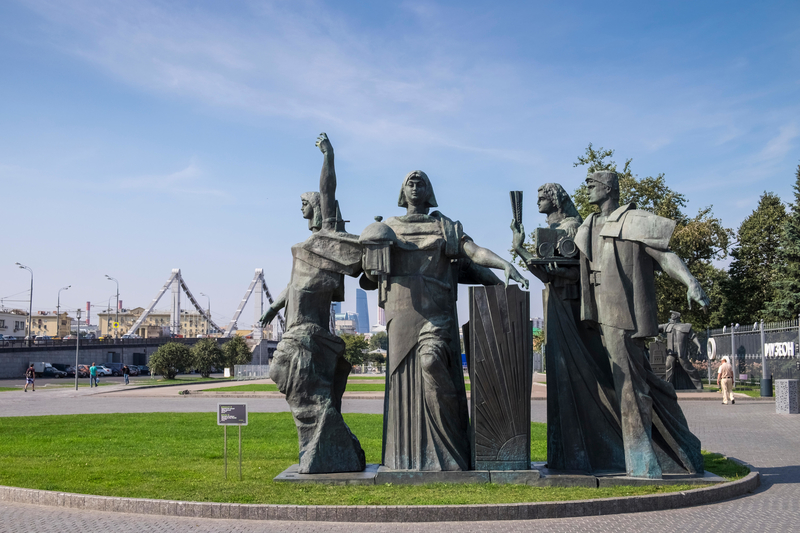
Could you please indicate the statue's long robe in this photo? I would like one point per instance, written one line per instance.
(425, 408)
(618, 296)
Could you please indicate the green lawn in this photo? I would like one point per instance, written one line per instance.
(150, 381)
(179, 456)
(269, 387)
(752, 391)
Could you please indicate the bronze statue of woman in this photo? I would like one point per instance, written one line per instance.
(425, 407)
(308, 365)
(583, 429)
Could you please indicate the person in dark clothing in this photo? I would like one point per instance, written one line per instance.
(30, 379)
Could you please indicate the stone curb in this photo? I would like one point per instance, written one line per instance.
(388, 513)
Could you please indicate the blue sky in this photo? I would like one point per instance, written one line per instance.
(137, 137)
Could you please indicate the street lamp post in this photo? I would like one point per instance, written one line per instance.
(77, 347)
(117, 319)
(30, 307)
(58, 311)
(208, 318)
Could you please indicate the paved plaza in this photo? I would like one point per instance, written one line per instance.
(749, 431)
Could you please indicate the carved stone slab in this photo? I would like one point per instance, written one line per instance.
(787, 401)
(498, 338)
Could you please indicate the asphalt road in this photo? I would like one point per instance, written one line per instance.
(750, 431)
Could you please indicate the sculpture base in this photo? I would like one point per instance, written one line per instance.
(538, 476)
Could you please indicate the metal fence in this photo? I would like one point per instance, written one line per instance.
(759, 350)
(248, 372)
(65, 343)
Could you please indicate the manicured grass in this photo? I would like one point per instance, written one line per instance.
(4, 389)
(270, 387)
(179, 456)
(724, 467)
(753, 392)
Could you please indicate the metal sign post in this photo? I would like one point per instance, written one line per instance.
(232, 414)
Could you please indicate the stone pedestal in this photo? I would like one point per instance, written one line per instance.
(787, 401)
(498, 342)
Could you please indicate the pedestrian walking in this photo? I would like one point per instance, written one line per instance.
(92, 376)
(725, 381)
(126, 372)
(30, 379)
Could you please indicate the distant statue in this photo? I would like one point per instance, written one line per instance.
(425, 408)
(679, 335)
(620, 249)
(308, 365)
(583, 428)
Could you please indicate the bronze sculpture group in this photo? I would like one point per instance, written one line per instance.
(607, 411)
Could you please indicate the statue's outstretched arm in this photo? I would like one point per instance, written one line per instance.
(488, 258)
(327, 183)
(677, 269)
(276, 306)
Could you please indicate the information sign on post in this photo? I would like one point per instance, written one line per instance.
(231, 414)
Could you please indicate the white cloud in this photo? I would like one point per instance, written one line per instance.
(781, 144)
(182, 182)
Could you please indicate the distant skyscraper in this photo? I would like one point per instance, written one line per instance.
(362, 308)
(337, 307)
(381, 316)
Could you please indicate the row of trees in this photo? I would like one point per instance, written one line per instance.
(359, 351)
(763, 279)
(206, 355)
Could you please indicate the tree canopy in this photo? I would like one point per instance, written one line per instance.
(355, 346)
(379, 341)
(236, 352)
(785, 297)
(169, 359)
(206, 355)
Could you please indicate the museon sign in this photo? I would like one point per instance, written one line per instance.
(779, 349)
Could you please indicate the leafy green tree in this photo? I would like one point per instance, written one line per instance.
(236, 352)
(355, 346)
(785, 300)
(375, 357)
(206, 355)
(755, 257)
(379, 341)
(169, 359)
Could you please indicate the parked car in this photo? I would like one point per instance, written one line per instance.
(134, 370)
(104, 371)
(10, 338)
(116, 368)
(70, 370)
(51, 372)
(144, 370)
(70, 337)
(83, 371)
